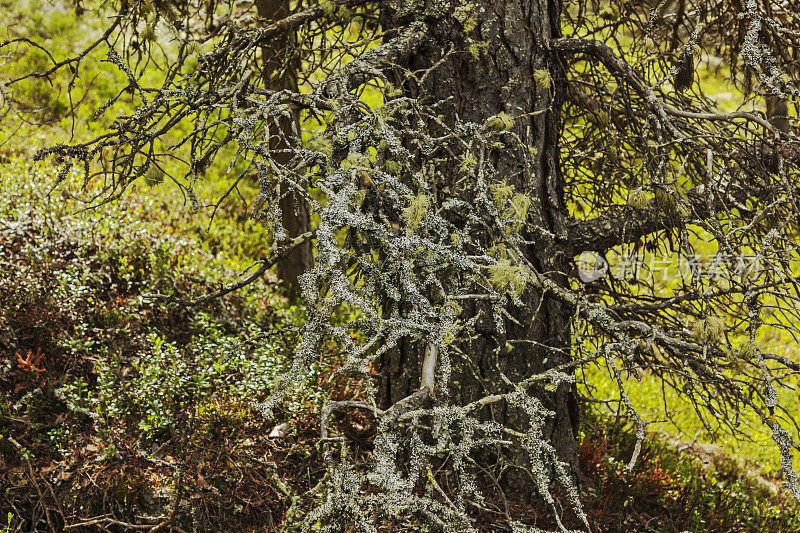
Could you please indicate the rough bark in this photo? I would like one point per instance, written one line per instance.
(514, 36)
(294, 209)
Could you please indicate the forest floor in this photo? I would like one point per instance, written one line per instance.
(122, 411)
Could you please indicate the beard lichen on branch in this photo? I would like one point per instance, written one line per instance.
(441, 229)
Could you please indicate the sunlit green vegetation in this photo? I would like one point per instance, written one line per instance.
(666, 271)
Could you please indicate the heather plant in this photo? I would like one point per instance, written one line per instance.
(465, 153)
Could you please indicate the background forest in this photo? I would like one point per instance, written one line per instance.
(123, 409)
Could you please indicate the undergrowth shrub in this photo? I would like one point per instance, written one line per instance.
(167, 383)
(671, 489)
(85, 342)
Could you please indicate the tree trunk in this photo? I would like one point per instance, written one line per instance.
(294, 208)
(511, 38)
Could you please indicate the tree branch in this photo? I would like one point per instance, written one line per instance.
(625, 225)
(619, 66)
(277, 254)
(360, 70)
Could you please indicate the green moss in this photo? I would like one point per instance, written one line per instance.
(468, 163)
(609, 13)
(392, 167)
(154, 176)
(498, 252)
(507, 277)
(638, 199)
(344, 15)
(417, 211)
(469, 25)
(149, 32)
(477, 49)
(359, 197)
(520, 205)
(542, 79)
(454, 308)
(463, 14)
(501, 194)
(391, 91)
(500, 122)
(354, 160)
(328, 7)
(321, 144)
(602, 119)
(193, 48)
(168, 10)
(708, 329)
(665, 200)
(612, 153)
(748, 350)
